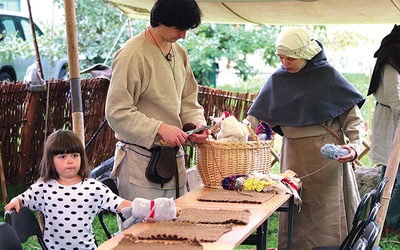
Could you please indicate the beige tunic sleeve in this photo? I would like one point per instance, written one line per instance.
(353, 127)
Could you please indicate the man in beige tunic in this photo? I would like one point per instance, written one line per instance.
(297, 99)
(152, 94)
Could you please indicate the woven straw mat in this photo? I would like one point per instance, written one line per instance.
(223, 195)
(214, 216)
(130, 242)
(170, 230)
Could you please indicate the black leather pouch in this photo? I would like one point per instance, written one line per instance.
(162, 165)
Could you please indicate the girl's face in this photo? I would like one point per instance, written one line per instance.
(67, 165)
(293, 65)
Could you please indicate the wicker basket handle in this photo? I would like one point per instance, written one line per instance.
(254, 136)
(215, 128)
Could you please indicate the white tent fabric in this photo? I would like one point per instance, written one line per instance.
(283, 12)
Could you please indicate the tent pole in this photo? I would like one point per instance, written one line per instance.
(73, 64)
(391, 170)
(31, 115)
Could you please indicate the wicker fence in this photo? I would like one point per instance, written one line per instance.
(27, 118)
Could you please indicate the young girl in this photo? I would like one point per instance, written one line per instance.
(67, 198)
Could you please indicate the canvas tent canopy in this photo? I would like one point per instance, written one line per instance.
(284, 12)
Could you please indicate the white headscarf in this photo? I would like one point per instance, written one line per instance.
(296, 42)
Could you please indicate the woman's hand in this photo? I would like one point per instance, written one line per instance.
(350, 157)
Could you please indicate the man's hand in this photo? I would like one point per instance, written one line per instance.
(174, 136)
(200, 137)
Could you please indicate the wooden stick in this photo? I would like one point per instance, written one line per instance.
(391, 170)
(3, 179)
(74, 71)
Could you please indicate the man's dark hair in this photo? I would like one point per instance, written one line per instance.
(182, 14)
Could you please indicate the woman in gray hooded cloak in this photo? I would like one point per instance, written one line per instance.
(307, 101)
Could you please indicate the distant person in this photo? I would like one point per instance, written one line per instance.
(385, 87)
(152, 95)
(68, 200)
(310, 104)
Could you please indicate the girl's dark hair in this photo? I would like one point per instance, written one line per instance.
(182, 14)
(62, 142)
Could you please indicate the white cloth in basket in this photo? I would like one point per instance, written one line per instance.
(232, 130)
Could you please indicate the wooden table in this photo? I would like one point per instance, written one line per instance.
(240, 234)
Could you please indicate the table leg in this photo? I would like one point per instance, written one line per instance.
(262, 234)
(260, 238)
(290, 210)
(290, 222)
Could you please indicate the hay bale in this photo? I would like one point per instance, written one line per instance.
(367, 178)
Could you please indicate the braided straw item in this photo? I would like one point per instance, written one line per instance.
(216, 160)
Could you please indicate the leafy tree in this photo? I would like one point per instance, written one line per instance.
(101, 30)
(51, 45)
(211, 42)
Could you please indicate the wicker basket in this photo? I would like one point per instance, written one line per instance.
(216, 160)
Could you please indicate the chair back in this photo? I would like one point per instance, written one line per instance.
(371, 233)
(369, 219)
(379, 191)
(9, 238)
(359, 237)
(359, 219)
(360, 244)
(110, 183)
(25, 225)
(374, 213)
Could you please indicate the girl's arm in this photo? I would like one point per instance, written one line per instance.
(124, 204)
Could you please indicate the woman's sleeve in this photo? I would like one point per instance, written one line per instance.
(352, 124)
